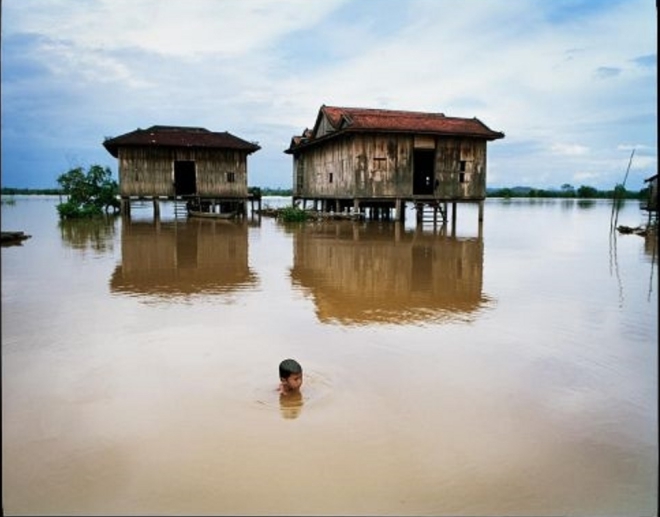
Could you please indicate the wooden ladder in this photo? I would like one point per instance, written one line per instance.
(431, 213)
(180, 208)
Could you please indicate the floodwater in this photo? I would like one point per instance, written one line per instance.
(510, 369)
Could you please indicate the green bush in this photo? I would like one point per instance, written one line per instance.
(70, 210)
(293, 214)
(89, 194)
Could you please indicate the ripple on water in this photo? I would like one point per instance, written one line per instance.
(316, 388)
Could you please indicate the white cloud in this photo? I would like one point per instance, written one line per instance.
(582, 177)
(169, 27)
(569, 149)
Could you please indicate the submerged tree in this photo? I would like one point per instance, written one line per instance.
(89, 194)
(587, 192)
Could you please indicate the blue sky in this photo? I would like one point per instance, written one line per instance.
(572, 83)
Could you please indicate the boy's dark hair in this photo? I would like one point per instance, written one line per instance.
(289, 367)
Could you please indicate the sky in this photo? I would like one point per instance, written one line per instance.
(571, 83)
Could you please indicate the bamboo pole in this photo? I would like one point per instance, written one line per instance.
(615, 201)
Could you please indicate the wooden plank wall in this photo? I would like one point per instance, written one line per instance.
(471, 184)
(147, 171)
(381, 166)
(359, 165)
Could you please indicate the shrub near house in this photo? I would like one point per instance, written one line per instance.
(90, 194)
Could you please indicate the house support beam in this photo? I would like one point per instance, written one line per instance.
(125, 206)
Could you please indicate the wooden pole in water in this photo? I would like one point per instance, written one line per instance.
(615, 201)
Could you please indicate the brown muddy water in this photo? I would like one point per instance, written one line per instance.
(507, 370)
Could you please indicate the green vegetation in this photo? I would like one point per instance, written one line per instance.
(267, 191)
(292, 214)
(89, 194)
(9, 191)
(568, 191)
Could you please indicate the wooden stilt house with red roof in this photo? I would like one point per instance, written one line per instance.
(357, 158)
(183, 163)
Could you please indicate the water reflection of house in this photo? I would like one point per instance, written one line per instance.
(362, 274)
(181, 259)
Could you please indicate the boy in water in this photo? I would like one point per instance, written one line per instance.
(291, 377)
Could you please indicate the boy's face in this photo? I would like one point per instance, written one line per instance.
(292, 382)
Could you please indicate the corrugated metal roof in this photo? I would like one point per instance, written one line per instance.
(178, 136)
(344, 119)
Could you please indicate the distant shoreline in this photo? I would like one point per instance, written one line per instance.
(566, 192)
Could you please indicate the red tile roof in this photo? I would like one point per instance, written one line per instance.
(178, 136)
(395, 121)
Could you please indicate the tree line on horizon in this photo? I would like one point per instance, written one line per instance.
(569, 191)
(566, 191)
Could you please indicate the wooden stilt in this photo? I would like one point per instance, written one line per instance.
(125, 206)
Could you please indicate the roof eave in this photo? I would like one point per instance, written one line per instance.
(495, 135)
(113, 149)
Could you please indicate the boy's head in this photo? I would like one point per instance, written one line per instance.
(291, 375)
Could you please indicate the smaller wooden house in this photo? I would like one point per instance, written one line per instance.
(354, 158)
(184, 163)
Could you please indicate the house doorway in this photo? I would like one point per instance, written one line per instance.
(185, 178)
(423, 172)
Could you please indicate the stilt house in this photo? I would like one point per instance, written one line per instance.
(182, 163)
(356, 157)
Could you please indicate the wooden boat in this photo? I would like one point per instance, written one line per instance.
(638, 230)
(211, 215)
(10, 238)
